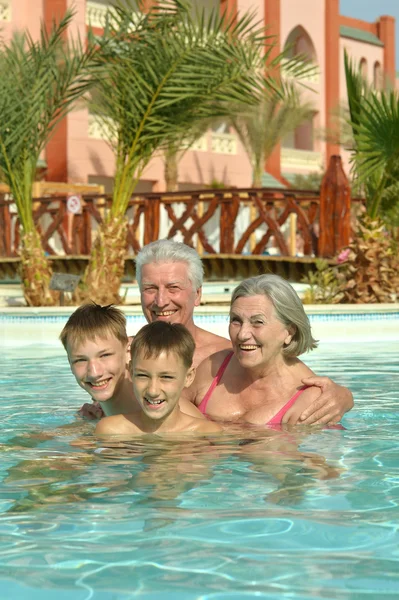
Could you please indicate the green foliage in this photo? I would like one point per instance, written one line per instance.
(374, 119)
(40, 81)
(324, 286)
(164, 72)
(217, 184)
(263, 125)
(370, 271)
(310, 181)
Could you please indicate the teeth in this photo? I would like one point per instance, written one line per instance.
(166, 313)
(99, 384)
(153, 401)
(248, 347)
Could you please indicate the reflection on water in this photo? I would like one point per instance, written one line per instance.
(152, 470)
(250, 513)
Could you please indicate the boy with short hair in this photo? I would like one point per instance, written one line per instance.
(161, 367)
(98, 351)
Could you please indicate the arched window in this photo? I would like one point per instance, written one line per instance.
(300, 42)
(378, 83)
(304, 135)
(363, 68)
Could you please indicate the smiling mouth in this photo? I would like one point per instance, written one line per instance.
(164, 313)
(154, 404)
(99, 385)
(248, 347)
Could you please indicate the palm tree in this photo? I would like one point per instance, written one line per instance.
(374, 119)
(370, 272)
(165, 71)
(40, 81)
(177, 148)
(263, 125)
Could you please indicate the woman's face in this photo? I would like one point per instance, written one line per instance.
(257, 336)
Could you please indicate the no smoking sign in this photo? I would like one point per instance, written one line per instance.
(74, 204)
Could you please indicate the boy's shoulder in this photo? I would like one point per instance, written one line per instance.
(204, 426)
(115, 424)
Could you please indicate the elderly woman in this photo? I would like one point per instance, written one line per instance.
(260, 381)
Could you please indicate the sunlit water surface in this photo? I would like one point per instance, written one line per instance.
(260, 514)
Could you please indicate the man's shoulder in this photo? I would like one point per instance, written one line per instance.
(208, 343)
(212, 362)
(206, 338)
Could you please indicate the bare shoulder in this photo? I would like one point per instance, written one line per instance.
(208, 343)
(114, 425)
(205, 426)
(210, 366)
(108, 425)
(307, 398)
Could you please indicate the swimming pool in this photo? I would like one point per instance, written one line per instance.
(258, 515)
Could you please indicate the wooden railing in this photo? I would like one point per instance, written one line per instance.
(245, 221)
(215, 222)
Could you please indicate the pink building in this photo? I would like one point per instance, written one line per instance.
(77, 154)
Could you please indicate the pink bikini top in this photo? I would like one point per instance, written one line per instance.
(278, 417)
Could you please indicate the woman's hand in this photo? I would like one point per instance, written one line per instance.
(329, 408)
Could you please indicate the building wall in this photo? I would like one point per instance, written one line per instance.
(20, 14)
(78, 155)
(309, 16)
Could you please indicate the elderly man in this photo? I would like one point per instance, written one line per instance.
(170, 276)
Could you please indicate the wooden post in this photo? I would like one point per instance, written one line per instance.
(151, 219)
(253, 213)
(335, 204)
(228, 214)
(292, 242)
(200, 213)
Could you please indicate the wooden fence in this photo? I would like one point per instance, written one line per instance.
(218, 222)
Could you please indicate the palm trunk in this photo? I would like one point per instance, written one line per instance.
(257, 176)
(171, 171)
(103, 276)
(36, 272)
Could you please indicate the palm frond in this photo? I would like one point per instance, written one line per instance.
(167, 71)
(261, 127)
(41, 80)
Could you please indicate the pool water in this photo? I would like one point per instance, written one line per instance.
(257, 514)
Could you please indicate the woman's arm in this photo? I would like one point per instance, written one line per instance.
(305, 400)
(331, 405)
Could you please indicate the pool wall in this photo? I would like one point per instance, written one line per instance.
(348, 323)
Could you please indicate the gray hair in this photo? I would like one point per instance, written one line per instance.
(288, 307)
(170, 252)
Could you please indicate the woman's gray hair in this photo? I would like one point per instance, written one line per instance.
(288, 307)
(170, 252)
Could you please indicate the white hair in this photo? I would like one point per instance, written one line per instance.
(169, 251)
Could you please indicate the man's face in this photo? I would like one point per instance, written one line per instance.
(167, 294)
(158, 382)
(99, 365)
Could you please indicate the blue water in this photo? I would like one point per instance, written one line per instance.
(303, 515)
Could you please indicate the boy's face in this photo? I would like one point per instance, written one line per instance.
(158, 383)
(99, 365)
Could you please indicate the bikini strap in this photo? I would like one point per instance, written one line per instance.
(215, 381)
(278, 417)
